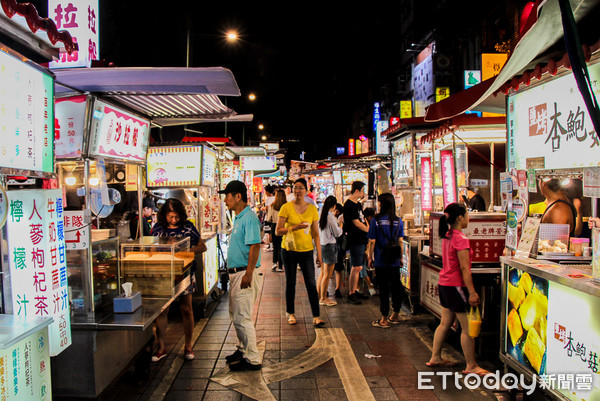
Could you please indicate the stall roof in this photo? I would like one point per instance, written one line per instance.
(22, 28)
(171, 95)
(247, 150)
(166, 122)
(544, 29)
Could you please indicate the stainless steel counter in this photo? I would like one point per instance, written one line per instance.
(578, 277)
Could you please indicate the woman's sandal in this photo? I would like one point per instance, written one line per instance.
(292, 320)
(319, 323)
(377, 323)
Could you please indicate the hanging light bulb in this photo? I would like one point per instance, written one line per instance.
(70, 179)
(94, 180)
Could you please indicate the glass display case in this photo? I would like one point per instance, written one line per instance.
(157, 266)
(92, 290)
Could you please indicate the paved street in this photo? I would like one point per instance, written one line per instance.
(392, 374)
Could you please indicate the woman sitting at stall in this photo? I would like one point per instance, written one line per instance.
(172, 221)
(456, 289)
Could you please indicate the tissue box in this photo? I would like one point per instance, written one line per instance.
(130, 304)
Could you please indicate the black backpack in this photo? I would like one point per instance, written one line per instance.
(392, 251)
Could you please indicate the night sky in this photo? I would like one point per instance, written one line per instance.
(310, 65)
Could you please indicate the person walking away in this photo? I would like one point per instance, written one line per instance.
(279, 201)
(298, 221)
(172, 221)
(384, 230)
(329, 231)
(356, 228)
(456, 289)
(270, 198)
(243, 262)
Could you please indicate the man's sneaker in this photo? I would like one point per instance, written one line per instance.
(338, 294)
(244, 365)
(236, 356)
(353, 300)
(188, 356)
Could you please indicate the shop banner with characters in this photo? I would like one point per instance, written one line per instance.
(550, 122)
(545, 335)
(37, 261)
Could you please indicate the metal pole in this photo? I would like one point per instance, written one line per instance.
(140, 195)
(492, 149)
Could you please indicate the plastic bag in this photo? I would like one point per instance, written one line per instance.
(290, 242)
(474, 318)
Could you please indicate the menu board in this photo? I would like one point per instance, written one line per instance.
(258, 163)
(37, 261)
(69, 123)
(209, 166)
(174, 166)
(26, 116)
(118, 134)
(229, 171)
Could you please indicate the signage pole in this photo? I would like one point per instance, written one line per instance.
(492, 149)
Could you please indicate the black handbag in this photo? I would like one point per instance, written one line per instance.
(392, 251)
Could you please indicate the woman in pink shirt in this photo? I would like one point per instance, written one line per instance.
(456, 288)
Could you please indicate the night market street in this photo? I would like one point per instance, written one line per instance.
(391, 373)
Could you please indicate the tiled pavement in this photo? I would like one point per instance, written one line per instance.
(403, 351)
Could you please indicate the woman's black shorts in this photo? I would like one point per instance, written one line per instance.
(454, 298)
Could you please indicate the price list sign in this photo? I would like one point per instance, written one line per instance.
(37, 261)
(26, 116)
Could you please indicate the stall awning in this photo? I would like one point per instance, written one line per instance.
(545, 29)
(167, 122)
(159, 93)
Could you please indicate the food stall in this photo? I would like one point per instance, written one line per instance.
(550, 290)
(34, 324)
(188, 172)
(114, 142)
(461, 151)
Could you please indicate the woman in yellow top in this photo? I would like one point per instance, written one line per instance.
(298, 223)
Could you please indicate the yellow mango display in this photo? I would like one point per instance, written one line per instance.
(534, 306)
(526, 283)
(516, 295)
(534, 349)
(515, 329)
(541, 326)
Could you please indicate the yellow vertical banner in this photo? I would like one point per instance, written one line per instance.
(405, 109)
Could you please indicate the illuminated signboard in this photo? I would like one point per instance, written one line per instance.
(258, 163)
(448, 176)
(491, 64)
(426, 184)
(211, 265)
(27, 116)
(340, 150)
(174, 166)
(209, 166)
(376, 116)
(81, 19)
(337, 177)
(441, 93)
(472, 77)
(394, 120)
(550, 122)
(405, 109)
(382, 145)
(69, 124)
(25, 365)
(544, 335)
(37, 261)
(350, 147)
(423, 81)
(348, 177)
(229, 171)
(271, 146)
(118, 134)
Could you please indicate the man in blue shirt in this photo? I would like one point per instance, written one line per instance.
(243, 261)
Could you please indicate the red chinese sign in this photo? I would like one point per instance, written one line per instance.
(426, 184)
(448, 176)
